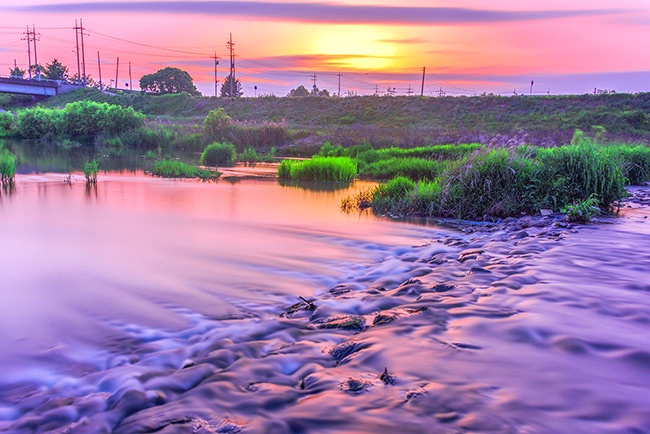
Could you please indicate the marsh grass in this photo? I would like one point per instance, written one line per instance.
(511, 182)
(167, 168)
(318, 169)
(7, 167)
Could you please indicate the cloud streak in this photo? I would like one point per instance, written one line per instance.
(319, 12)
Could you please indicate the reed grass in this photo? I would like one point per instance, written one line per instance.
(7, 166)
(319, 169)
(167, 168)
(511, 182)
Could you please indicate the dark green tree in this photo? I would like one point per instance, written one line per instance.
(236, 88)
(55, 71)
(168, 80)
(16, 72)
(299, 91)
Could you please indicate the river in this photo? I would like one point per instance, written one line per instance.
(152, 305)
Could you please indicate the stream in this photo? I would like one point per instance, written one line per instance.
(169, 306)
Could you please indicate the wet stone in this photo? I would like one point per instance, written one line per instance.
(352, 322)
(382, 318)
(443, 287)
(387, 378)
(354, 386)
(345, 349)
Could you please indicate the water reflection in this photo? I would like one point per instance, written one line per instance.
(152, 305)
(314, 186)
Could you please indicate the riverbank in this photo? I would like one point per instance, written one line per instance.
(524, 325)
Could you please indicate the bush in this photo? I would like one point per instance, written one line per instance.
(219, 154)
(249, 157)
(7, 121)
(216, 124)
(82, 121)
(90, 171)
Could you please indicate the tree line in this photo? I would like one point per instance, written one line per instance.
(168, 80)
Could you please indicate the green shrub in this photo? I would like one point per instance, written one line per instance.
(249, 157)
(582, 211)
(7, 121)
(90, 171)
(219, 154)
(82, 121)
(167, 168)
(7, 166)
(216, 124)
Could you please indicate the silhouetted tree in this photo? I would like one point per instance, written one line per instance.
(55, 71)
(168, 80)
(236, 88)
(299, 91)
(16, 72)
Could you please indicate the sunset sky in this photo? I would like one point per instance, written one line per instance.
(467, 46)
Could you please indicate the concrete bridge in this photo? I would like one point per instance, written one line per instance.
(34, 87)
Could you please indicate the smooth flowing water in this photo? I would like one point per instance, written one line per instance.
(149, 305)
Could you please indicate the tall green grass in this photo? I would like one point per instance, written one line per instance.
(167, 168)
(511, 182)
(333, 169)
(7, 166)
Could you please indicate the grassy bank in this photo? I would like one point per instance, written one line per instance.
(511, 182)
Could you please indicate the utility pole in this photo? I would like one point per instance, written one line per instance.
(339, 92)
(424, 69)
(99, 66)
(76, 34)
(409, 91)
(531, 87)
(15, 69)
(216, 82)
(117, 70)
(376, 90)
(29, 52)
(31, 36)
(130, 81)
(231, 48)
(83, 51)
(313, 78)
(38, 69)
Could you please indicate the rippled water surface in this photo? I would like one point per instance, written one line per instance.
(150, 305)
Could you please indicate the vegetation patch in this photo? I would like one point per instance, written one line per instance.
(7, 166)
(511, 182)
(90, 171)
(167, 168)
(219, 154)
(332, 169)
